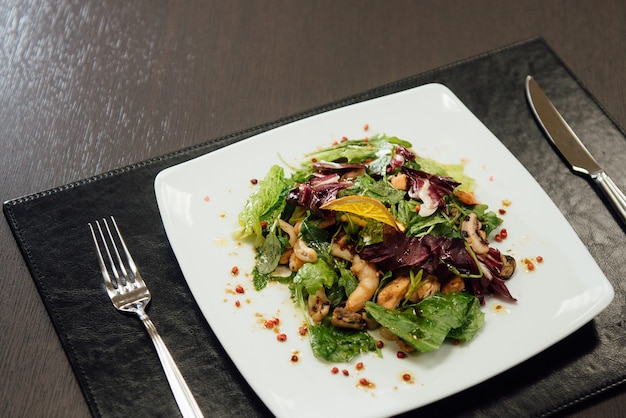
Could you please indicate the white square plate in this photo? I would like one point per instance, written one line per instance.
(199, 201)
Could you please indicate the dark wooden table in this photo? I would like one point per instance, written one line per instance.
(86, 87)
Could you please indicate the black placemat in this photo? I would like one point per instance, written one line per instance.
(115, 362)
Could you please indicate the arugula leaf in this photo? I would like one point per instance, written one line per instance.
(314, 276)
(381, 190)
(347, 280)
(316, 237)
(490, 221)
(372, 233)
(347, 151)
(335, 295)
(404, 211)
(336, 345)
(357, 150)
(379, 165)
(418, 226)
(414, 284)
(259, 280)
(394, 140)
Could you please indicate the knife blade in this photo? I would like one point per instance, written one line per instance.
(571, 147)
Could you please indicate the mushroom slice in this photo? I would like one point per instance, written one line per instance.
(319, 306)
(343, 318)
(475, 236)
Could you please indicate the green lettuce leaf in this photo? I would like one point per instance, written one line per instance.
(265, 204)
(473, 322)
(431, 321)
(456, 171)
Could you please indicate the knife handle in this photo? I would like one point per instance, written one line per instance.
(613, 193)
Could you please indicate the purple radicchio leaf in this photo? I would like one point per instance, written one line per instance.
(491, 265)
(317, 191)
(329, 167)
(429, 188)
(406, 153)
(427, 252)
(400, 156)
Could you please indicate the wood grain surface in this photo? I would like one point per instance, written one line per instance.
(89, 86)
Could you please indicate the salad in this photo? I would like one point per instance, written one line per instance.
(369, 235)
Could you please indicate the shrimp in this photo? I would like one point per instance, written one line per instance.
(300, 252)
(367, 274)
(430, 286)
(340, 252)
(392, 294)
(304, 252)
(456, 284)
(301, 255)
(403, 345)
(284, 258)
(294, 262)
(289, 230)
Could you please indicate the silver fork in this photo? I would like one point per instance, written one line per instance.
(129, 293)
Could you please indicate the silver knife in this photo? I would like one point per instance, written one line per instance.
(571, 147)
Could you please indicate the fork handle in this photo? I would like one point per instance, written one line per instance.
(184, 398)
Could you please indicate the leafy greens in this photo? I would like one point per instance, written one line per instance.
(320, 248)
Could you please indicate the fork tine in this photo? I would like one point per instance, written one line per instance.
(103, 268)
(123, 279)
(125, 288)
(134, 276)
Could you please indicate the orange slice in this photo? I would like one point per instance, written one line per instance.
(365, 207)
